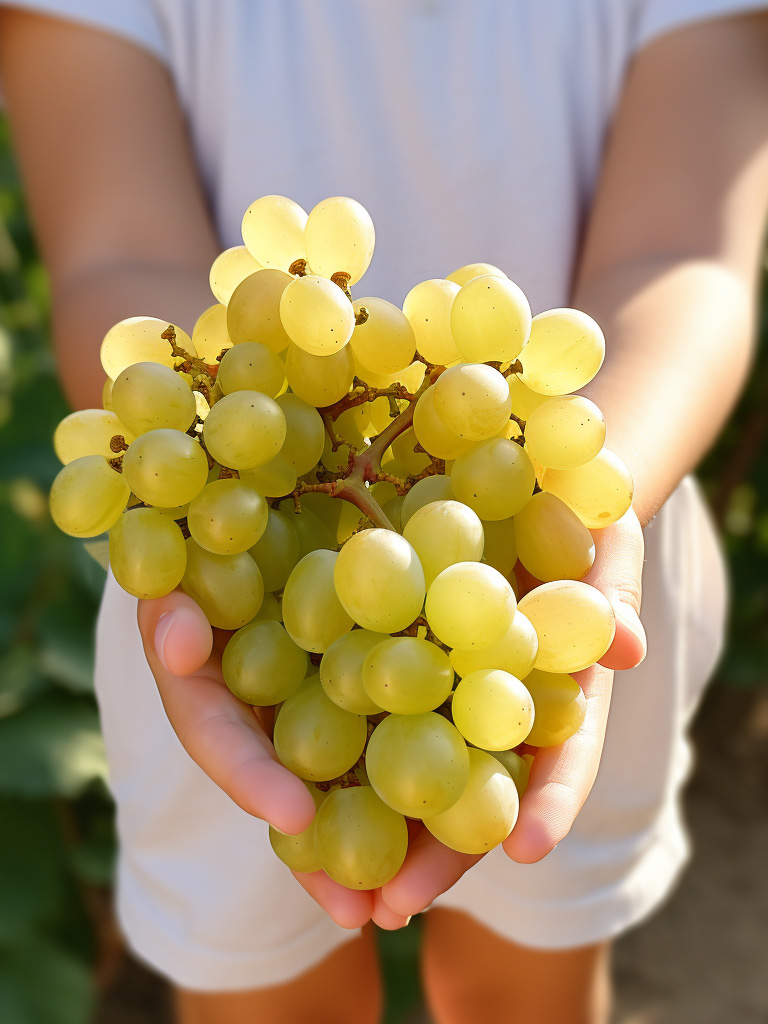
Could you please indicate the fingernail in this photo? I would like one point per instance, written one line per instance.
(162, 629)
(631, 621)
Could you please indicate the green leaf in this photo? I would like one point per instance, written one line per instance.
(41, 983)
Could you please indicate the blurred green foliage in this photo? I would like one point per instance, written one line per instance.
(56, 827)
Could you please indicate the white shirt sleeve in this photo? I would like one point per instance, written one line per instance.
(656, 17)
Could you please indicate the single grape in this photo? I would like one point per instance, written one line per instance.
(270, 610)
(312, 532)
(492, 709)
(437, 487)
(137, 340)
(230, 268)
(150, 396)
(276, 552)
(274, 479)
(244, 430)
(524, 401)
(319, 380)
(251, 366)
(253, 312)
(317, 315)
(565, 432)
(393, 510)
(147, 553)
(385, 343)
(165, 467)
(228, 588)
(403, 449)
(490, 319)
(227, 517)
(313, 614)
(341, 671)
(442, 533)
(432, 433)
(518, 766)
(515, 652)
(209, 335)
(561, 708)
(88, 496)
(428, 308)
(552, 542)
(298, 852)
(273, 231)
(565, 350)
(339, 237)
(472, 400)
(379, 580)
(88, 432)
(407, 675)
(599, 492)
(574, 623)
(500, 549)
(262, 665)
(495, 478)
(470, 605)
(304, 433)
(473, 270)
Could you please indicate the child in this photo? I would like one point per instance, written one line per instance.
(607, 154)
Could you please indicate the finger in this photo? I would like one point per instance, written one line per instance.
(221, 733)
(384, 917)
(429, 869)
(176, 627)
(561, 777)
(349, 908)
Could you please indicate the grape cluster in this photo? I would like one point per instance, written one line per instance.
(349, 488)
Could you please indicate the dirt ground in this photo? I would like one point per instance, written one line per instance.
(704, 958)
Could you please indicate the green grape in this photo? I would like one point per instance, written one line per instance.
(322, 506)
(379, 580)
(472, 400)
(339, 237)
(500, 549)
(230, 268)
(437, 487)
(262, 665)
(273, 231)
(106, 394)
(341, 671)
(428, 308)
(270, 610)
(515, 652)
(304, 433)
(298, 852)
(274, 479)
(209, 335)
(495, 478)
(88, 432)
(599, 492)
(561, 708)
(313, 533)
(253, 312)
(228, 588)
(88, 496)
(524, 401)
(319, 380)
(138, 340)
(552, 542)
(492, 709)
(227, 517)
(317, 315)
(244, 430)
(393, 510)
(490, 319)
(418, 764)
(432, 433)
(472, 270)
(177, 512)
(315, 738)
(147, 553)
(485, 813)
(165, 467)
(312, 613)
(385, 343)
(350, 521)
(574, 623)
(360, 841)
(470, 605)
(277, 550)
(403, 450)
(442, 533)
(565, 432)
(518, 766)
(407, 675)
(150, 396)
(565, 350)
(251, 366)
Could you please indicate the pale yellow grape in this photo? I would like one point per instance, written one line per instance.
(304, 433)
(561, 708)
(492, 709)
(565, 350)
(360, 841)
(202, 408)
(244, 430)
(176, 512)
(436, 487)
(599, 492)
(251, 366)
(385, 343)
(524, 401)
(147, 553)
(472, 270)
(552, 542)
(472, 400)
(88, 432)
(312, 612)
(418, 764)
(315, 738)
(518, 766)
(349, 522)
(273, 231)
(574, 623)
(165, 467)
(149, 396)
(339, 237)
(319, 380)
(228, 588)
(432, 433)
(490, 320)
(298, 852)
(565, 432)
(341, 671)
(500, 549)
(428, 308)
(412, 377)
(312, 532)
(317, 315)
(407, 675)
(106, 394)
(322, 506)
(403, 450)
(209, 335)
(137, 340)
(262, 665)
(230, 268)
(486, 812)
(470, 605)
(274, 479)
(379, 580)
(444, 532)
(88, 496)
(253, 312)
(276, 552)
(495, 478)
(393, 510)
(227, 517)
(514, 652)
(270, 610)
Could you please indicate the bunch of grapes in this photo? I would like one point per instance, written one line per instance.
(349, 488)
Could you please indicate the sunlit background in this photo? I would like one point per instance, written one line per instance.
(701, 961)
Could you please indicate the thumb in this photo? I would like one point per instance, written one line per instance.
(174, 628)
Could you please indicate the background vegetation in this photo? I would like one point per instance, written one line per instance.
(56, 826)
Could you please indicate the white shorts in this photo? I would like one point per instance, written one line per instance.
(202, 897)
